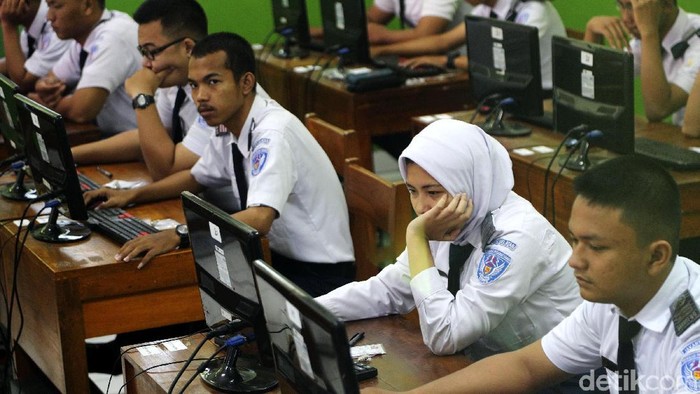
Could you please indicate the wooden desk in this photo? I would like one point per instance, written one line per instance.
(529, 171)
(375, 113)
(70, 292)
(407, 364)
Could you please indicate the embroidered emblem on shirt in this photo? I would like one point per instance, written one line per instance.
(684, 312)
(258, 162)
(690, 371)
(260, 141)
(522, 18)
(492, 266)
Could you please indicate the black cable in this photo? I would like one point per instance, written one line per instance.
(202, 367)
(554, 182)
(554, 156)
(150, 368)
(262, 53)
(527, 176)
(481, 103)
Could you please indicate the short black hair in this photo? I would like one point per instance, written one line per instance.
(239, 54)
(645, 192)
(179, 18)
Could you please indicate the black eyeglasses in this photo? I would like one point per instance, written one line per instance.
(151, 54)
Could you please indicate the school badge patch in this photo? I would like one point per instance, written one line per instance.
(258, 162)
(492, 266)
(690, 371)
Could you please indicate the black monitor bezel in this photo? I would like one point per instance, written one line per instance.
(356, 43)
(529, 97)
(251, 245)
(618, 132)
(72, 194)
(309, 309)
(11, 132)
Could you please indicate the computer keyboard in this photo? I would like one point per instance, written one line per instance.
(364, 371)
(671, 156)
(546, 120)
(87, 183)
(118, 224)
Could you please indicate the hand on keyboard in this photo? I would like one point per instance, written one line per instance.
(425, 62)
(151, 244)
(110, 198)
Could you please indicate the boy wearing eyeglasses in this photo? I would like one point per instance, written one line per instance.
(661, 36)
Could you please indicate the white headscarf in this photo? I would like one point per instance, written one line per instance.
(463, 159)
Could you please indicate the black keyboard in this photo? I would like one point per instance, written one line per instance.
(546, 120)
(671, 156)
(87, 183)
(364, 371)
(392, 62)
(118, 224)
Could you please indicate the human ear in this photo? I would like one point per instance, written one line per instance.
(247, 83)
(660, 257)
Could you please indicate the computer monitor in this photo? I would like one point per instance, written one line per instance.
(309, 343)
(593, 87)
(504, 68)
(223, 250)
(291, 21)
(345, 30)
(51, 163)
(13, 137)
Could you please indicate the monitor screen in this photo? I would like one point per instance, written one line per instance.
(345, 29)
(49, 156)
(9, 123)
(223, 250)
(291, 15)
(594, 86)
(309, 344)
(504, 60)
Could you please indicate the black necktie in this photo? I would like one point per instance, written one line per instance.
(239, 172)
(458, 257)
(627, 379)
(83, 59)
(493, 15)
(177, 125)
(31, 45)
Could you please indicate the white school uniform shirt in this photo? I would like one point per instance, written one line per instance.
(452, 10)
(288, 171)
(539, 14)
(112, 58)
(682, 71)
(666, 349)
(496, 309)
(49, 48)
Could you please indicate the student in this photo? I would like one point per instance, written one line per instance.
(87, 83)
(284, 183)
(417, 18)
(29, 55)
(667, 75)
(513, 287)
(167, 31)
(625, 225)
(691, 120)
(537, 13)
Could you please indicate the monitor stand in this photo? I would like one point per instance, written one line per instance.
(290, 50)
(226, 376)
(19, 190)
(494, 125)
(579, 160)
(60, 231)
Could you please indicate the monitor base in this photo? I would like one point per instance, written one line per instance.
(291, 50)
(18, 191)
(60, 230)
(505, 129)
(223, 375)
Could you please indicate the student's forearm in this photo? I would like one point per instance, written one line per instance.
(656, 90)
(419, 256)
(156, 144)
(120, 147)
(691, 122)
(167, 188)
(429, 25)
(431, 45)
(14, 58)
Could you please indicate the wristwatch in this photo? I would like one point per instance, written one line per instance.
(184, 235)
(142, 101)
(450, 64)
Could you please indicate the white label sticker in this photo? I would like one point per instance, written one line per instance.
(293, 314)
(587, 58)
(35, 119)
(497, 33)
(302, 353)
(339, 16)
(175, 345)
(2, 94)
(588, 84)
(215, 232)
(42, 147)
(149, 350)
(7, 114)
(285, 3)
(499, 58)
(221, 266)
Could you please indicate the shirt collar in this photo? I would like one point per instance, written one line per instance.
(680, 28)
(38, 24)
(656, 314)
(502, 7)
(244, 140)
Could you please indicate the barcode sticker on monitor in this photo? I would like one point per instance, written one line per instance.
(499, 58)
(2, 94)
(35, 119)
(7, 114)
(587, 58)
(588, 84)
(339, 16)
(302, 353)
(42, 146)
(221, 266)
(496, 33)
